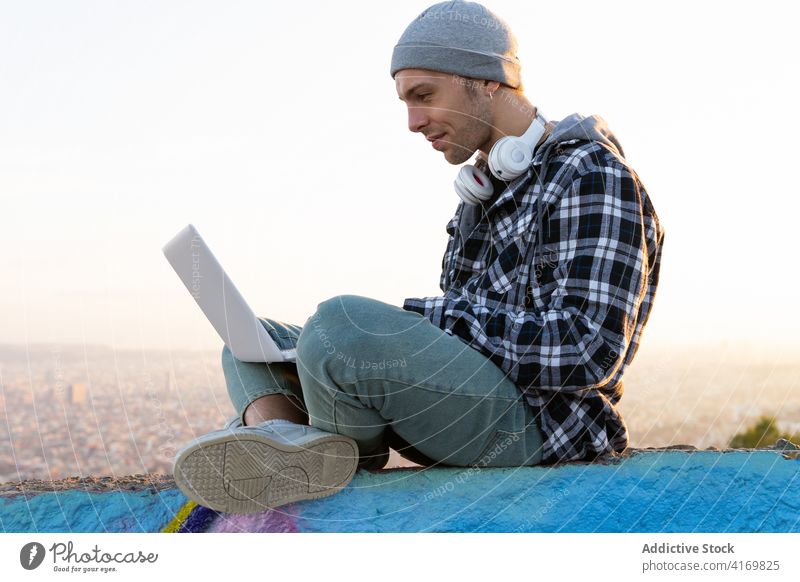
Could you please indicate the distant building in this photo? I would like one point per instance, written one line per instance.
(77, 393)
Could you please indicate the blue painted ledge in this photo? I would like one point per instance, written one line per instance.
(661, 490)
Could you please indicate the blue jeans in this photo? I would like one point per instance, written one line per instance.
(385, 376)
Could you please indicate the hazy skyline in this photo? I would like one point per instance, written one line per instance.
(276, 130)
(134, 407)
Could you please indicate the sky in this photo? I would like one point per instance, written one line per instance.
(276, 130)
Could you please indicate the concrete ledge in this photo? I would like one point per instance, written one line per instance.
(655, 490)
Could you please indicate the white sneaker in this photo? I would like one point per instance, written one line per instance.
(246, 469)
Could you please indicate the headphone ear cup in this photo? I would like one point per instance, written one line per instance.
(510, 157)
(473, 186)
(463, 192)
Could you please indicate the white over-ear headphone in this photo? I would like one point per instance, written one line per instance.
(509, 157)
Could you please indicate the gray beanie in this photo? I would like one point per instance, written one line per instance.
(463, 38)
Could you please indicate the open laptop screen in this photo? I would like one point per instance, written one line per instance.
(220, 300)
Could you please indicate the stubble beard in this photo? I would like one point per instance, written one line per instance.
(475, 132)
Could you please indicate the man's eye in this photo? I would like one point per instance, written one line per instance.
(425, 97)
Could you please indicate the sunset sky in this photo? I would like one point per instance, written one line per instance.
(276, 130)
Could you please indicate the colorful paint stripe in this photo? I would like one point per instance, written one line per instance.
(175, 525)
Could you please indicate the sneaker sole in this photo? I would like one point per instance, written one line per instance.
(252, 473)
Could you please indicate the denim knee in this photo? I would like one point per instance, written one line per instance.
(329, 329)
(332, 341)
(334, 310)
(316, 340)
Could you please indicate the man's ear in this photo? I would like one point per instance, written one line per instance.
(491, 87)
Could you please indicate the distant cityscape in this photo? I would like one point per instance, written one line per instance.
(65, 411)
(74, 411)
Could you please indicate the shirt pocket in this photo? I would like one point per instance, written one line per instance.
(469, 257)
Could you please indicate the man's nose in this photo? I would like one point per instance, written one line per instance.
(417, 118)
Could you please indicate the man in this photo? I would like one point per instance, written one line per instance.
(548, 280)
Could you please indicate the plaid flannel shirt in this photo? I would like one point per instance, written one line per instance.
(554, 283)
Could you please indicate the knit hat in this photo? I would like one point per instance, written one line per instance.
(463, 38)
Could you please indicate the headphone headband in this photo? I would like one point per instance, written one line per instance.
(535, 131)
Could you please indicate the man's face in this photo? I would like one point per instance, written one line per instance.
(451, 111)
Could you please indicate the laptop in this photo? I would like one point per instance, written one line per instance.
(221, 301)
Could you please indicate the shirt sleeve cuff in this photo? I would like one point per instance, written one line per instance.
(414, 304)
